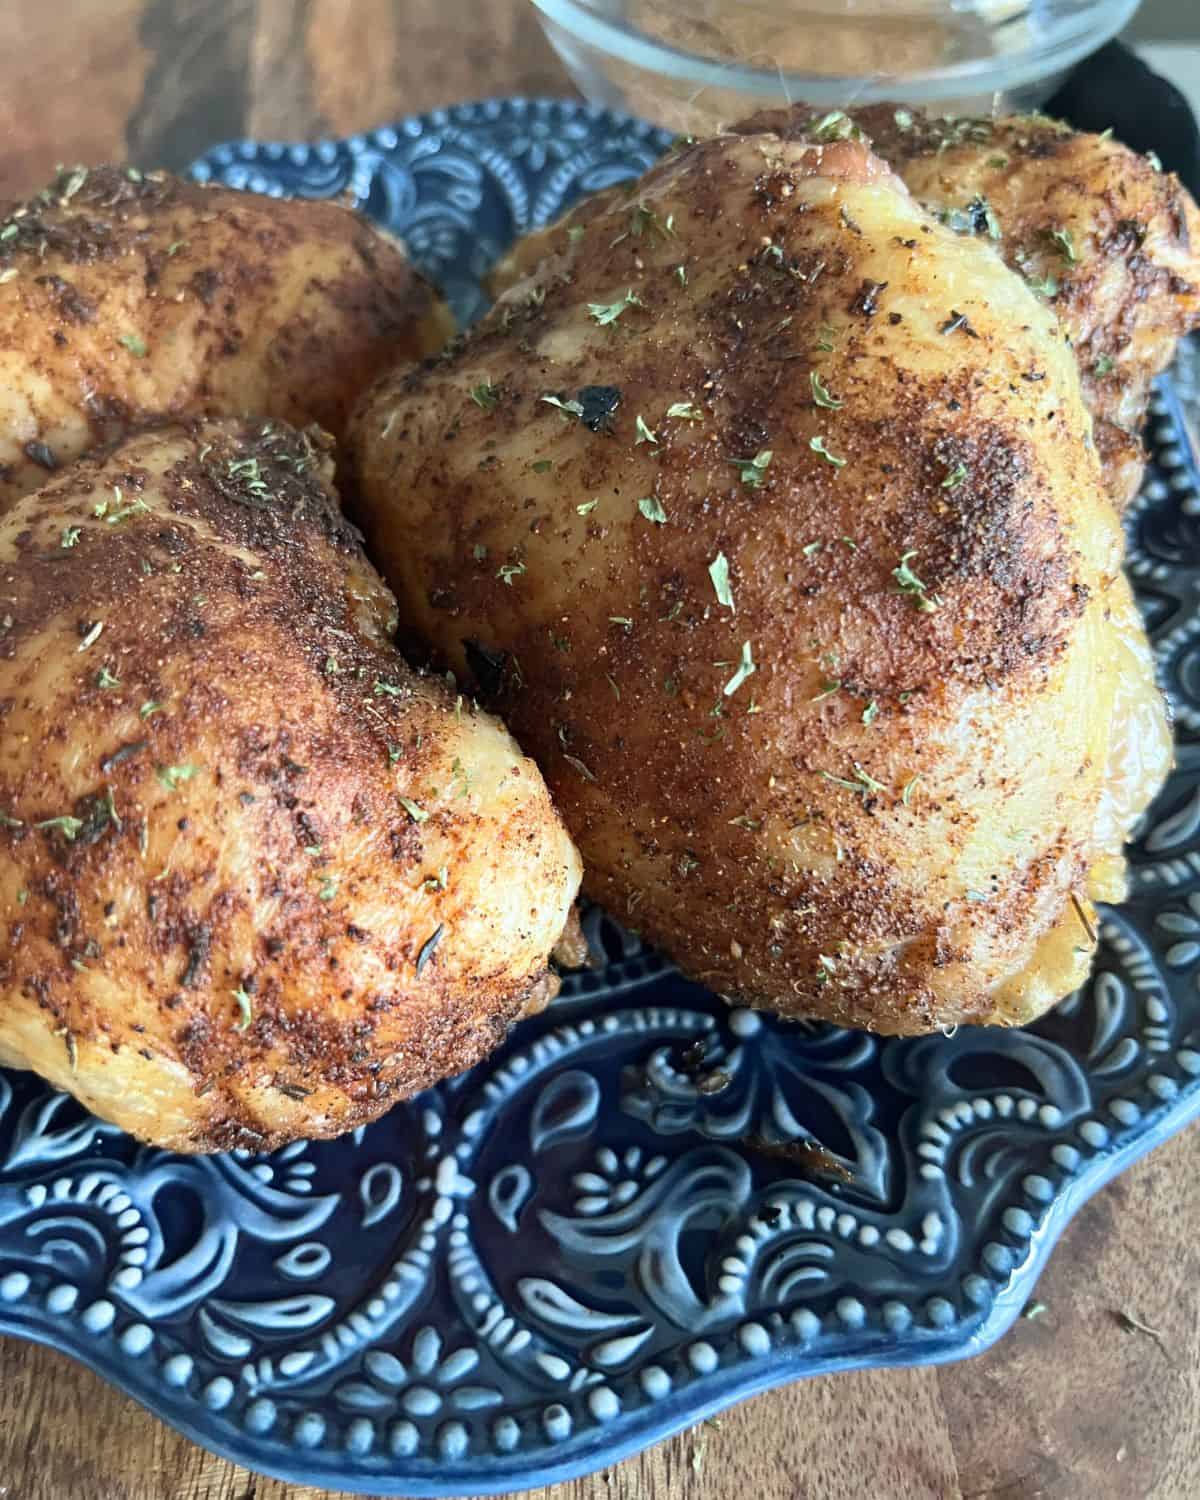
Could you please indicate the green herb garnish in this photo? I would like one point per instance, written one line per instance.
(508, 571)
(909, 583)
(652, 509)
(817, 444)
(644, 434)
(821, 394)
(572, 408)
(751, 470)
(745, 668)
(66, 825)
(245, 1006)
(718, 571)
(486, 396)
(608, 312)
(70, 536)
(587, 507)
(686, 411)
(835, 126)
(105, 679)
(172, 777)
(134, 344)
(1065, 245)
(955, 477)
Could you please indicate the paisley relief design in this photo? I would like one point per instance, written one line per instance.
(646, 1204)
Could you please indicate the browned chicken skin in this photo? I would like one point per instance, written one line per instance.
(258, 880)
(126, 295)
(767, 507)
(1102, 233)
(1111, 240)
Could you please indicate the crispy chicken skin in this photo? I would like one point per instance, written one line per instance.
(1110, 240)
(125, 295)
(258, 879)
(766, 510)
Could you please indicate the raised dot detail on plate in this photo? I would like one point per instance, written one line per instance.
(403, 1439)
(1124, 1111)
(868, 1235)
(896, 1316)
(420, 1401)
(851, 1312)
(806, 1323)
(899, 1239)
(1065, 1157)
(997, 1258)
(977, 1289)
(128, 1277)
(506, 1434)
(14, 1286)
(137, 1338)
(1161, 1086)
(655, 1382)
(1093, 1134)
(1050, 1115)
(556, 1420)
(360, 1437)
(1188, 1060)
(62, 1298)
(309, 1429)
(702, 1357)
(98, 1316)
(177, 1370)
(260, 1416)
(603, 1403)
(1017, 1222)
(745, 1023)
(940, 1312)
(754, 1339)
(218, 1393)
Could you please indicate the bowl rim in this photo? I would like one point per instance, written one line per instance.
(1075, 38)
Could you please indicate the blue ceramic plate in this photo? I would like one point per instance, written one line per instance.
(576, 1249)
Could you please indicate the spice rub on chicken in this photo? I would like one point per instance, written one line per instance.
(258, 879)
(765, 507)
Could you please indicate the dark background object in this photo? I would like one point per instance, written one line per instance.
(1115, 89)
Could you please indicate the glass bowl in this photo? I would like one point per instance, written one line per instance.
(693, 65)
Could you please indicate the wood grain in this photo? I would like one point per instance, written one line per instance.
(1070, 1406)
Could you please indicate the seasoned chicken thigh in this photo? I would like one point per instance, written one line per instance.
(766, 509)
(126, 294)
(258, 880)
(1105, 235)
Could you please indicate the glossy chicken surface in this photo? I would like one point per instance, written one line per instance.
(258, 879)
(766, 510)
(1107, 237)
(126, 295)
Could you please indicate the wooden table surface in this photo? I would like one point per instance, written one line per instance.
(1070, 1405)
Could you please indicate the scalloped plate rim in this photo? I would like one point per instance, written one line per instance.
(679, 1412)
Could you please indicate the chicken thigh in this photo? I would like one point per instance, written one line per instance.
(1107, 237)
(126, 294)
(1104, 234)
(258, 879)
(766, 509)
